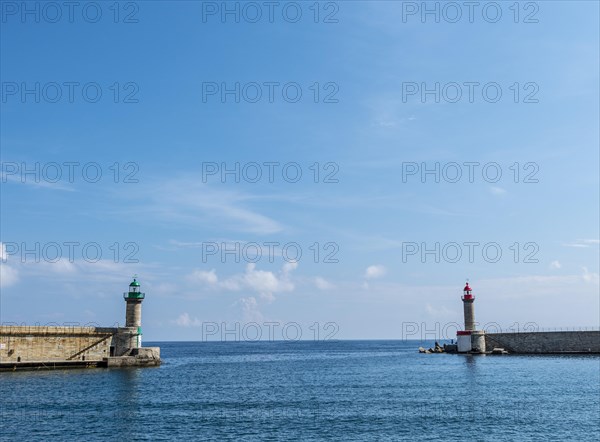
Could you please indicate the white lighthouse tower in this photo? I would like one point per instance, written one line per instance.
(468, 306)
(470, 340)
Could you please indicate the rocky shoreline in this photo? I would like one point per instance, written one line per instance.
(453, 348)
(447, 348)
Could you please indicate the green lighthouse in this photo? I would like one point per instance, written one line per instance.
(133, 314)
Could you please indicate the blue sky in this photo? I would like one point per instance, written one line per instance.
(162, 133)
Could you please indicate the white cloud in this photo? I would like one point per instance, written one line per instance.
(323, 284)
(184, 320)
(163, 288)
(188, 201)
(32, 183)
(63, 266)
(289, 267)
(375, 271)
(539, 285)
(261, 281)
(583, 243)
(555, 265)
(209, 277)
(590, 276)
(441, 312)
(250, 310)
(497, 190)
(265, 283)
(103, 272)
(8, 275)
(386, 123)
(231, 284)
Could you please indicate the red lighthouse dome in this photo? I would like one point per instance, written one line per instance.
(467, 292)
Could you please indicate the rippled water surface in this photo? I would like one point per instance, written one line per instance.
(344, 390)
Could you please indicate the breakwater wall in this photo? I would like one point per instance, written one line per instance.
(49, 344)
(557, 342)
(26, 347)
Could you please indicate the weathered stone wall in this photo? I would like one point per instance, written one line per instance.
(478, 342)
(545, 342)
(124, 340)
(39, 343)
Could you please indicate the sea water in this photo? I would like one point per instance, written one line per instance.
(329, 390)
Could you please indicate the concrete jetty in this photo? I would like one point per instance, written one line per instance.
(24, 347)
(473, 341)
(558, 342)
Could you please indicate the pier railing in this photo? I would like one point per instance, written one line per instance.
(54, 329)
(535, 328)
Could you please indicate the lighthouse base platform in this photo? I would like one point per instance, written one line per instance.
(470, 341)
(138, 357)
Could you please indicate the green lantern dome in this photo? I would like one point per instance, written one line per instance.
(134, 290)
